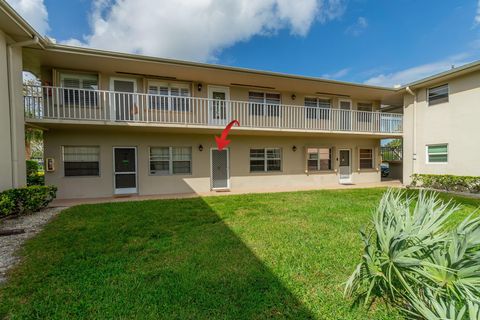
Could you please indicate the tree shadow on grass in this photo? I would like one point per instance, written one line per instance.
(172, 259)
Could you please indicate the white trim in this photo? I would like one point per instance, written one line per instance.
(345, 100)
(113, 114)
(226, 90)
(349, 180)
(433, 145)
(228, 170)
(125, 190)
(360, 158)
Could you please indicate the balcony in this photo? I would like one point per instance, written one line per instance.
(56, 104)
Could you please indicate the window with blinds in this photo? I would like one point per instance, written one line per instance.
(437, 95)
(81, 161)
(365, 115)
(262, 103)
(317, 108)
(319, 159)
(169, 96)
(366, 158)
(79, 89)
(265, 160)
(170, 160)
(437, 153)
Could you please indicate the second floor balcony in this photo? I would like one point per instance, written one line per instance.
(47, 103)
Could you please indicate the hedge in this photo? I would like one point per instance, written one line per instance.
(26, 200)
(447, 182)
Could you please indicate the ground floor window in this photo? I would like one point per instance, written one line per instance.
(81, 161)
(437, 153)
(170, 160)
(366, 158)
(319, 159)
(267, 159)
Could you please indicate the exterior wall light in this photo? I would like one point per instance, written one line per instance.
(294, 96)
(199, 87)
(294, 148)
(200, 148)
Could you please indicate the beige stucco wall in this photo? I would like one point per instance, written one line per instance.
(237, 93)
(12, 136)
(292, 174)
(455, 123)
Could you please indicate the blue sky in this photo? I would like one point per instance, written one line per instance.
(379, 42)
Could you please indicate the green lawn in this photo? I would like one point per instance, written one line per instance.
(283, 255)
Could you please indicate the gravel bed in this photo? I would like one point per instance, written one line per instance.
(32, 224)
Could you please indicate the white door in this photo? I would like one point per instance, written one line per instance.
(345, 115)
(218, 106)
(124, 106)
(220, 175)
(345, 166)
(125, 170)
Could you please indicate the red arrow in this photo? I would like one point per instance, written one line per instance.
(222, 142)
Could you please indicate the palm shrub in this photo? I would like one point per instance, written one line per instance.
(418, 263)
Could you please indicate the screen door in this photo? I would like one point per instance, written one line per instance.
(125, 170)
(345, 166)
(220, 171)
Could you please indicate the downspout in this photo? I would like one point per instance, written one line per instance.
(414, 131)
(13, 110)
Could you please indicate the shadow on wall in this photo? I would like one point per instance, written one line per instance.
(170, 260)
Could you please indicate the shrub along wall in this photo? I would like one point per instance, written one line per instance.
(447, 182)
(26, 200)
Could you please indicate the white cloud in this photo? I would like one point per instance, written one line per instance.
(337, 75)
(34, 11)
(419, 72)
(357, 28)
(198, 29)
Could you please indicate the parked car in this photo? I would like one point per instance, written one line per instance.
(385, 170)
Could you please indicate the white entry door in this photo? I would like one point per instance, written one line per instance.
(218, 105)
(345, 115)
(345, 166)
(125, 170)
(123, 104)
(220, 175)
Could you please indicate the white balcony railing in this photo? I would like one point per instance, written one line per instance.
(45, 102)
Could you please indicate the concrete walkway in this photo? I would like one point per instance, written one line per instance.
(73, 202)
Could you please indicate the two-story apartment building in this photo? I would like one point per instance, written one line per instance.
(127, 124)
(117, 124)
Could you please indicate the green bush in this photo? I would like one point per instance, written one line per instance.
(447, 182)
(7, 205)
(414, 262)
(34, 177)
(26, 200)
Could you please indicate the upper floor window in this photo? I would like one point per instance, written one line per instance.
(437, 95)
(437, 153)
(81, 161)
(78, 89)
(262, 103)
(317, 108)
(366, 109)
(169, 96)
(319, 159)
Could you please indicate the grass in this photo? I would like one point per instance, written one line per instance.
(283, 255)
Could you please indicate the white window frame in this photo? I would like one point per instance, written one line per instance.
(79, 146)
(360, 158)
(265, 159)
(318, 108)
(170, 161)
(427, 158)
(79, 76)
(170, 86)
(318, 160)
(264, 103)
(436, 103)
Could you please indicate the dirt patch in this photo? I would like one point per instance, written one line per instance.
(31, 224)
